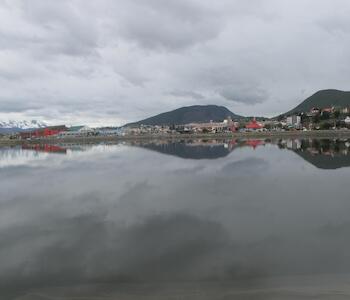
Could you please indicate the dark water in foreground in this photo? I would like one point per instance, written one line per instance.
(161, 220)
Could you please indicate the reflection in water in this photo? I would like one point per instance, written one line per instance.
(45, 148)
(322, 153)
(198, 149)
(193, 150)
(121, 222)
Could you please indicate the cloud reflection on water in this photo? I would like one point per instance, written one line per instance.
(123, 214)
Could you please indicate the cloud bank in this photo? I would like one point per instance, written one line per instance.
(110, 62)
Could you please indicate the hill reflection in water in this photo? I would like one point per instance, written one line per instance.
(199, 149)
(322, 153)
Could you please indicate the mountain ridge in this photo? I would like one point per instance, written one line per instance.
(13, 126)
(189, 114)
(322, 99)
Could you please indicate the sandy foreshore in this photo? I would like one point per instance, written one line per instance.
(331, 134)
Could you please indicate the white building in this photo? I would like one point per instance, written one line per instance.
(294, 121)
(77, 131)
(110, 131)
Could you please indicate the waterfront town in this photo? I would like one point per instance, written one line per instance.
(316, 119)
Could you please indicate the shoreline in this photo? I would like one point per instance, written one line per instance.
(317, 134)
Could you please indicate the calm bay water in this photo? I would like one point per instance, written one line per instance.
(176, 220)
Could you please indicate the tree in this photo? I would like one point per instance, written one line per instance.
(268, 126)
(325, 125)
(336, 114)
(280, 118)
(325, 115)
(316, 119)
(304, 118)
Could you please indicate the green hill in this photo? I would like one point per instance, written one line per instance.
(323, 99)
(189, 114)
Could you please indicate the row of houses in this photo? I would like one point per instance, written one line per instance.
(214, 127)
(316, 111)
(227, 125)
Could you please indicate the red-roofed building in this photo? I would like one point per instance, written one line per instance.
(254, 125)
(43, 132)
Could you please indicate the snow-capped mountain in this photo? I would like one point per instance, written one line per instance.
(15, 126)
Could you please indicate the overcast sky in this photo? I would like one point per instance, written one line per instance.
(113, 61)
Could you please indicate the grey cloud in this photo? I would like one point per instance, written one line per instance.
(187, 94)
(334, 25)
(170, 25)
(233, 83)
(17, 105)
(10, 75)
(16, 41)
(62, 28)
(64, 55)
(245, 95)
(132, 76)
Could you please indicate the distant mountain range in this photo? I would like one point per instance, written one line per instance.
(189, 114)
(323, 99)
(18, 126)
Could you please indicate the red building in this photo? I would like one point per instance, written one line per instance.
(43, 132)
(254, 125)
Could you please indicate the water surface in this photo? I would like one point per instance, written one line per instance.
(212, 219)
